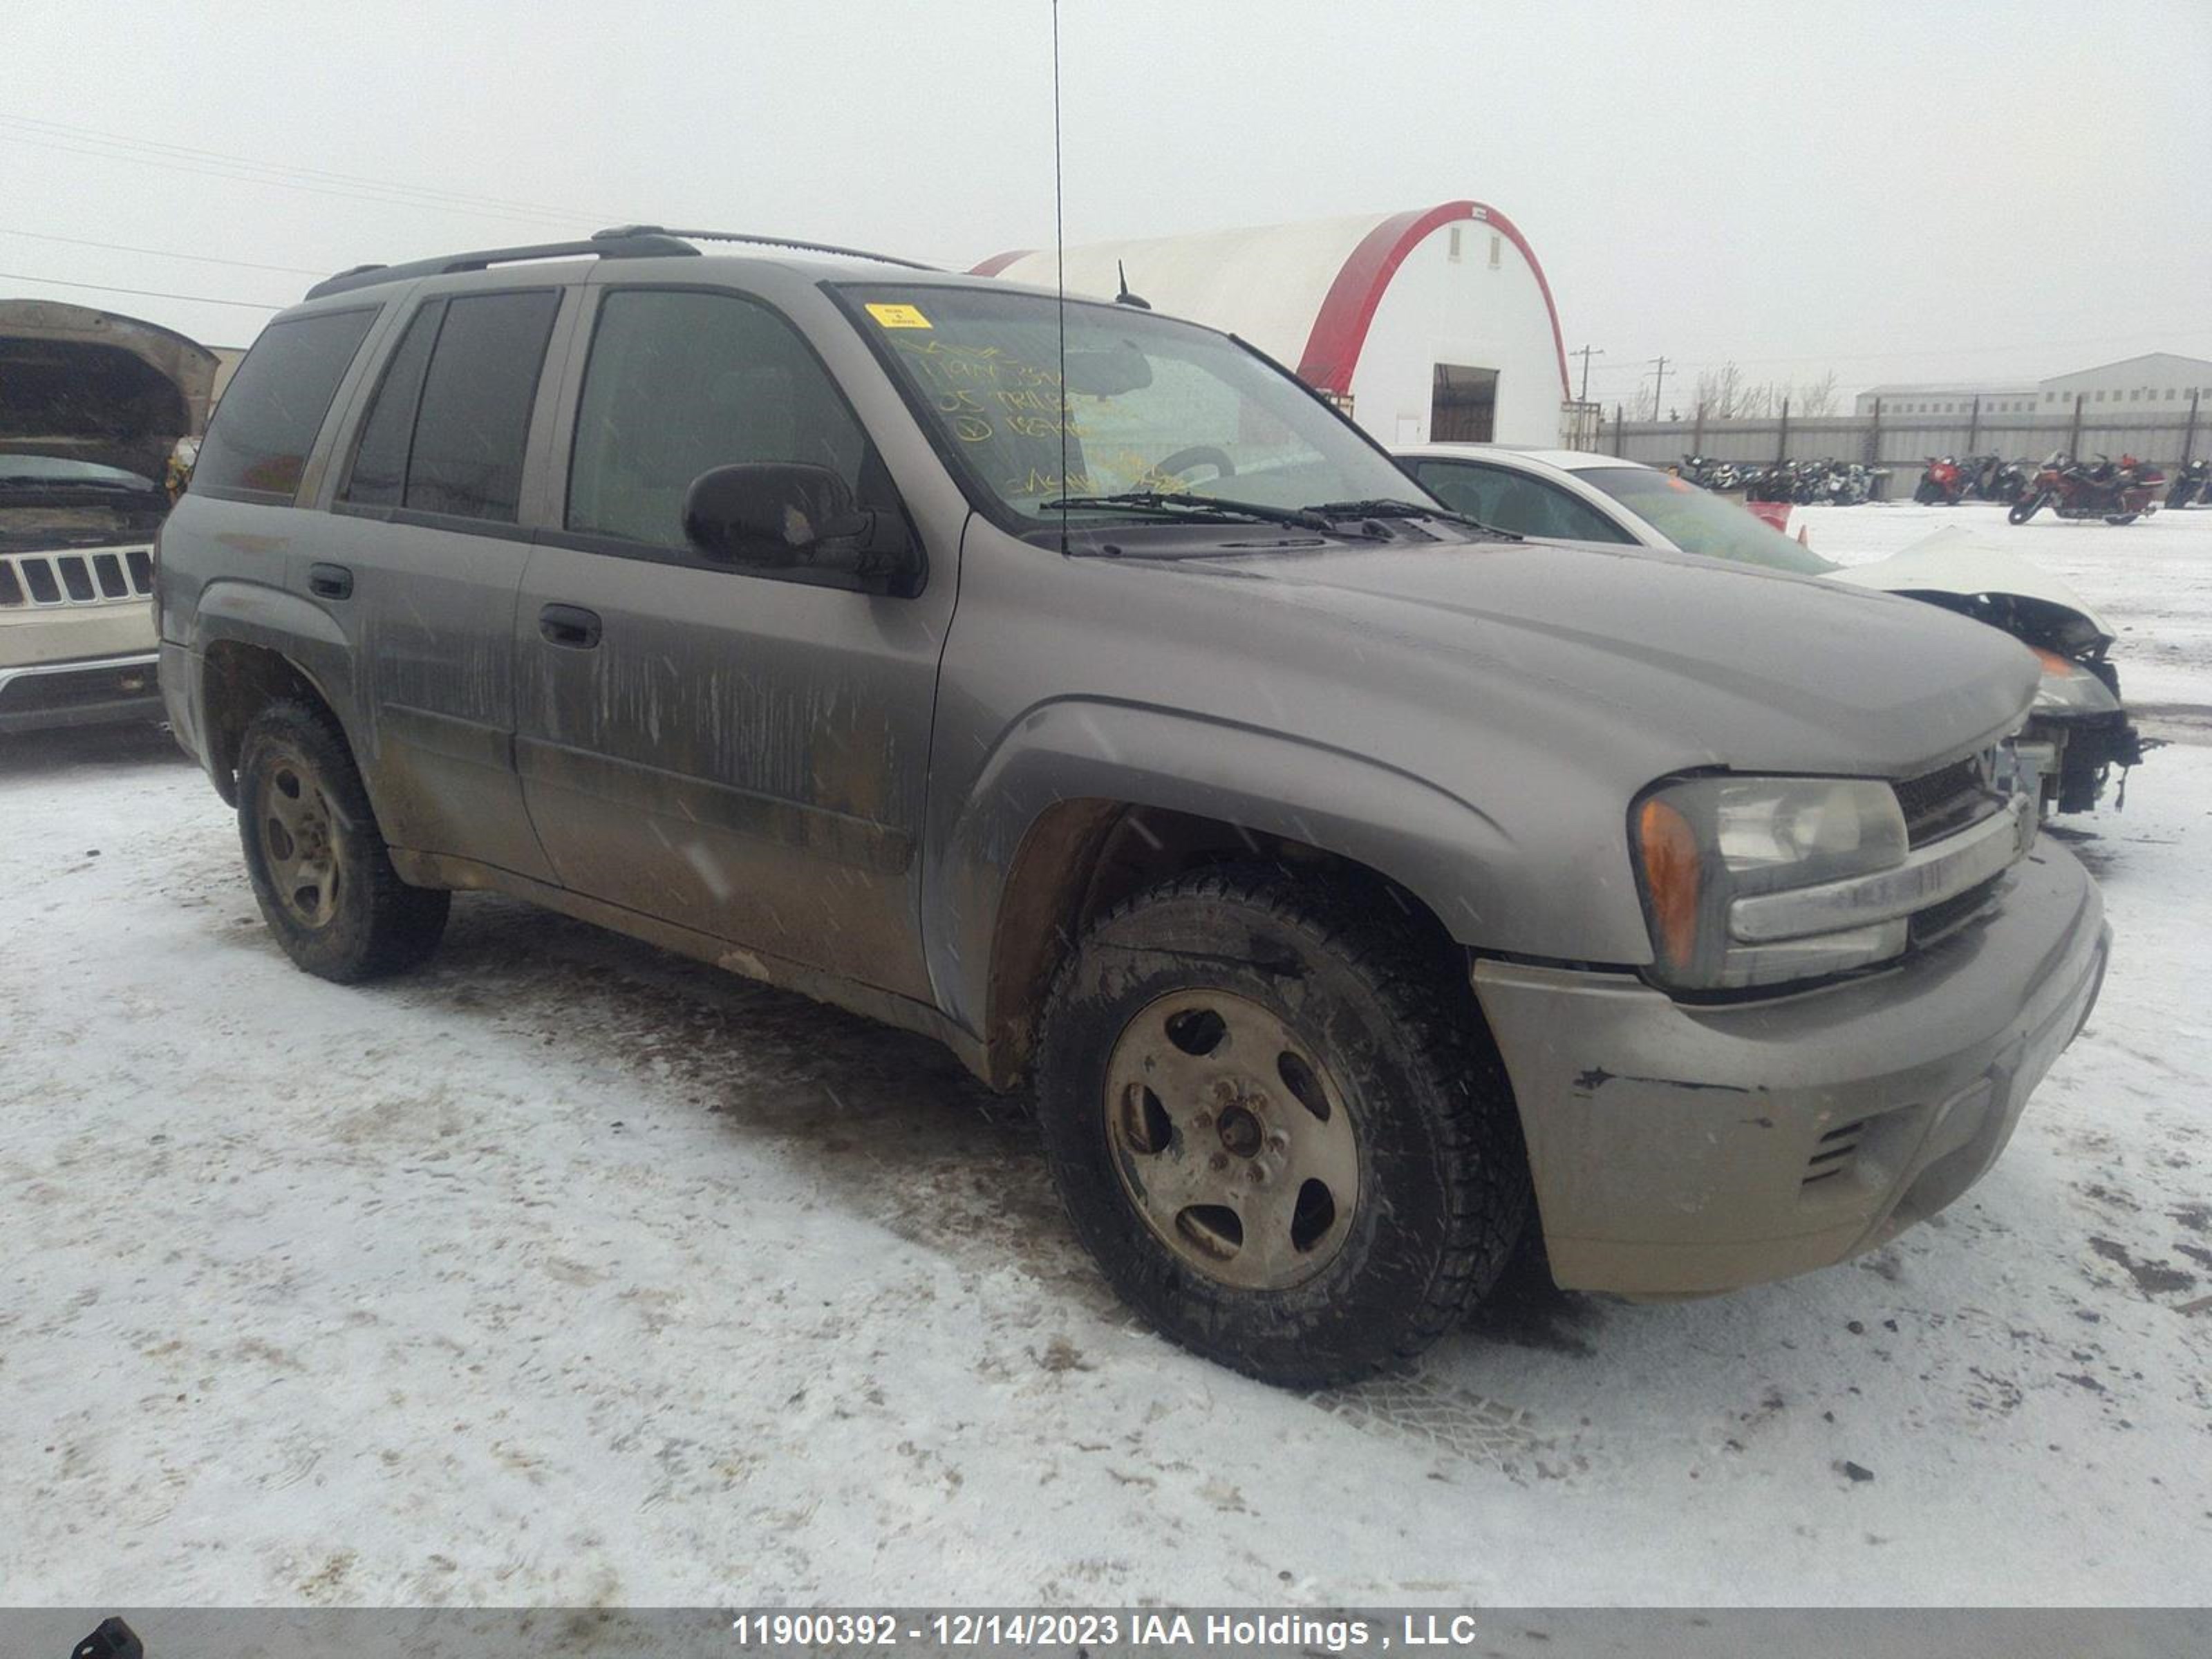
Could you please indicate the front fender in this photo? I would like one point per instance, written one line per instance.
(1447, 851)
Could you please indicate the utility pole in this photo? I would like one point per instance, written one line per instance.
(1658, 382)
(1586, 354)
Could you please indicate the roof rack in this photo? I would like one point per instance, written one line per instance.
(639, 245)
(626, 232)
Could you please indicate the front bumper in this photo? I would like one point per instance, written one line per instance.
(1682, 1149)
(98, 691)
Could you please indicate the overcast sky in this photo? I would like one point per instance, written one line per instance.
(1898, 191)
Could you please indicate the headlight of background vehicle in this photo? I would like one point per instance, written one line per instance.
(2068, 688)
(1701, 844)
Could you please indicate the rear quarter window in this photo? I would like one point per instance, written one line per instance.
(260, 437)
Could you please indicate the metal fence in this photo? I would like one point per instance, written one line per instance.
(1903, 445)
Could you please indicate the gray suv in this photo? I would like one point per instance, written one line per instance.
(1361, 893)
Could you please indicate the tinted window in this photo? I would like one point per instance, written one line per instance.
(1150, 404)
(276, 402)
(1513, 501)
(1697, 521)
(380, 463)
(474, 417)
(679, 384)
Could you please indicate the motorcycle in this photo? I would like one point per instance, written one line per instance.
(2194, 483)
(1943, 482)
(1987, 476)
(2117, 492)
(1697, 470)
(1777, 482)
(2007, 483)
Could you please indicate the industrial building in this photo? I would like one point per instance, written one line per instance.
(2159, 381)
(1431, 325)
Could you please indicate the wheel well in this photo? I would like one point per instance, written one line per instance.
(239, 681)
(1082, 857)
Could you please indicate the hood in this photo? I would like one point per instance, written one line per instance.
(91, 385)
(1956, 564)
(1664, 660)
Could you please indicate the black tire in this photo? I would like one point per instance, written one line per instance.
(1441, 1195)
(323, 880)
(1929, 493)
(2122, 517)
(2028, 508)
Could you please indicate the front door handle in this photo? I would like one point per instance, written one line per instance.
(570, 625)
(330, 582)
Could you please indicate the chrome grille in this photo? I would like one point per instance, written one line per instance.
(99, 576)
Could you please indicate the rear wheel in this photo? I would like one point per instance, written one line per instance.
(1278, 1128)
(2122, 517)
(320, 871)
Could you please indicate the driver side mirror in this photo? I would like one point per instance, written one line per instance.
(787, 516)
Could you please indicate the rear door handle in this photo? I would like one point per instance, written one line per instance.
(330, 582)
(570, 625)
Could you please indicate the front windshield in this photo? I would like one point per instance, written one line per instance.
(1697, 521)
(1153, 405)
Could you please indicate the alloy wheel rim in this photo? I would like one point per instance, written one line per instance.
(299, 841)
(1232, 1140)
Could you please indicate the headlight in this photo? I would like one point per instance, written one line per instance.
(1702, 843)
(2067, 688)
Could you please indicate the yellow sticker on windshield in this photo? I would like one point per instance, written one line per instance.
(898, 316)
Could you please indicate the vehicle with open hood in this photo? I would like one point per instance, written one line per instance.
(92, 405)
(1354, 888)
(2079, 731)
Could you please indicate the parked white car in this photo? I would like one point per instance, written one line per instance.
(2079, 731)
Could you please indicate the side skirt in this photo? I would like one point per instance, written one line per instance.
(444, 870)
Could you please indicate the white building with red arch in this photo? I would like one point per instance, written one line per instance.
(1430, 325)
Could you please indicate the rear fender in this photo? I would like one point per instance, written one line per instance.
(301, 633)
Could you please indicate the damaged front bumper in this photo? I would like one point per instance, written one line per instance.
(1681, 1149)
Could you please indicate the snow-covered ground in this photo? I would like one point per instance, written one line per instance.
(564, 1270)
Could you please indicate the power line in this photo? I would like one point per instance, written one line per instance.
(161, 253)
(144, 293)
(226, 165)
(385, 197)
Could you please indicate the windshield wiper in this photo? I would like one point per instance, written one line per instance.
(1197, 508)
(1386, 507)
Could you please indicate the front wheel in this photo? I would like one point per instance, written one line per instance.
(1278, 1126)
(2122, 517)
(1928, 494)
(2028, 508)
(320, 871)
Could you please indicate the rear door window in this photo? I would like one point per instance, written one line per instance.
(473, 420)
(260, 437)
